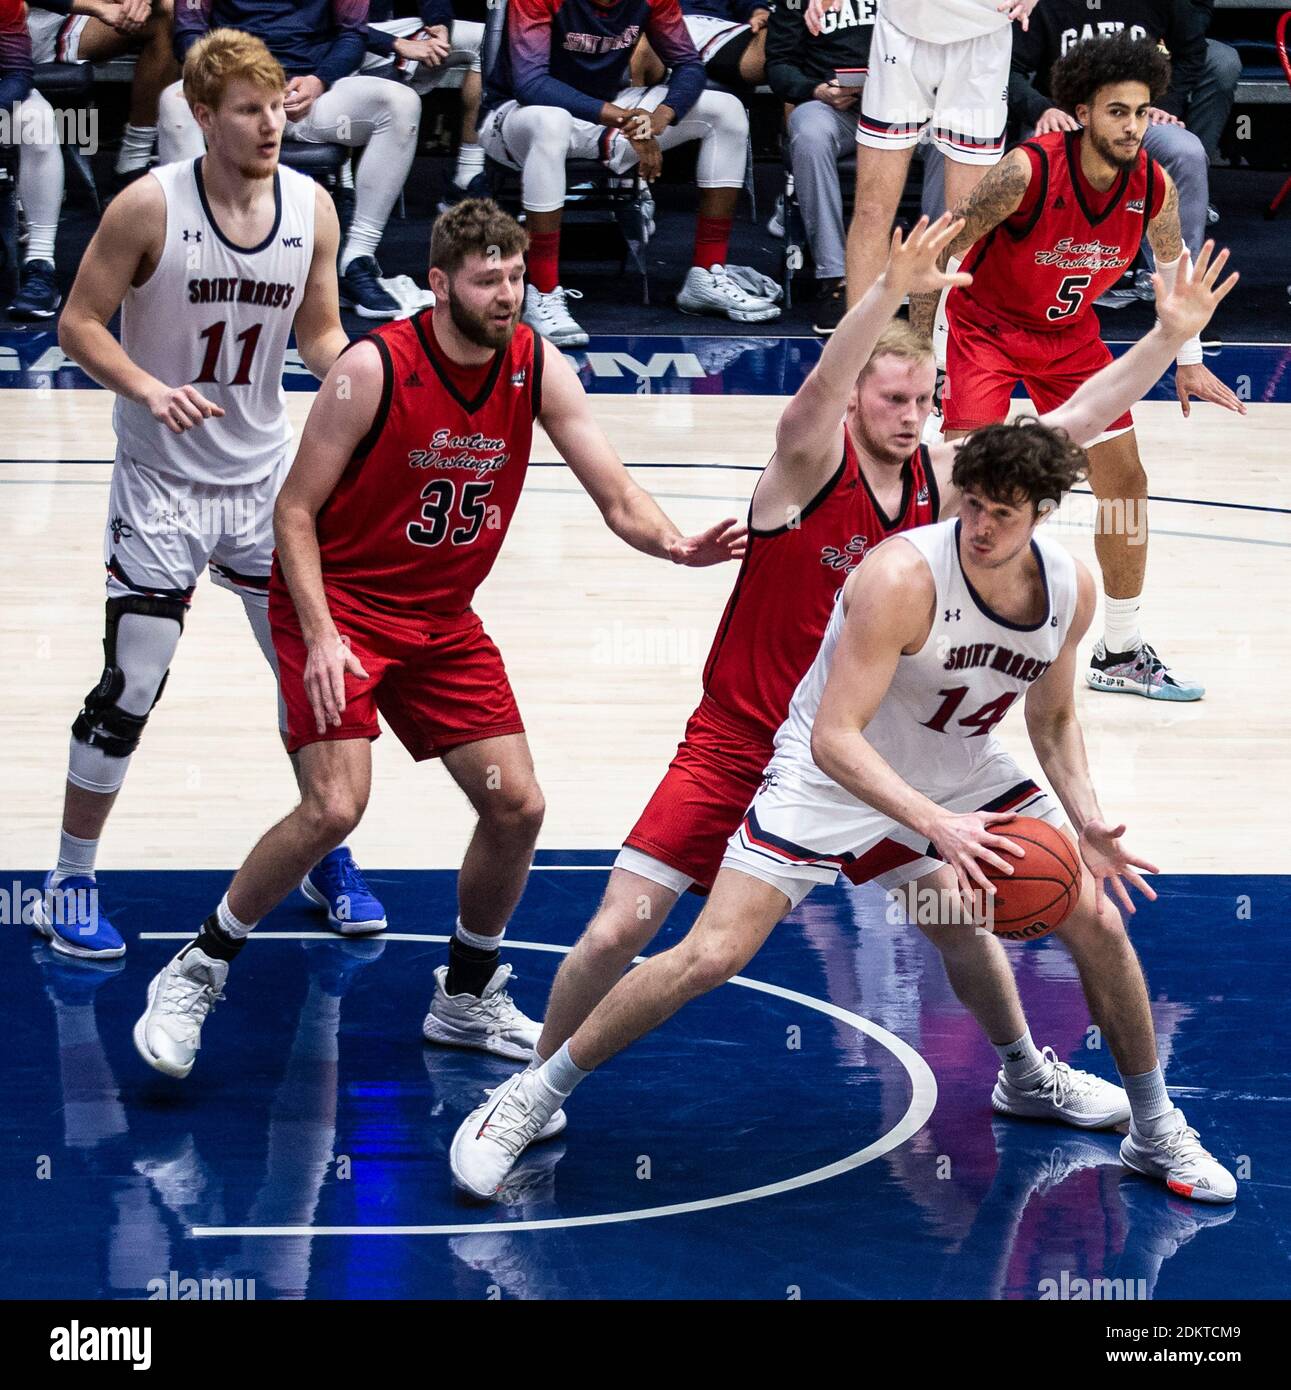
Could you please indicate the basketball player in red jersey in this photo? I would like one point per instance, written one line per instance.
(848, 472)
(1051, 227)
(408, 473)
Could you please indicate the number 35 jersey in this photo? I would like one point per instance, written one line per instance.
(218, 316)
(420, 513)
(933, 726)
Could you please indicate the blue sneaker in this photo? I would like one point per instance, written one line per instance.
(70, 918)
(362, 291)
(337, 883)
(39, 297)
(1140, 672)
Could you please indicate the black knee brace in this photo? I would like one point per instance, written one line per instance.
(102, 723)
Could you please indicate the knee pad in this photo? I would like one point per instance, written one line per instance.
(102, 723)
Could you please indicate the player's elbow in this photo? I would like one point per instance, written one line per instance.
(824, 746)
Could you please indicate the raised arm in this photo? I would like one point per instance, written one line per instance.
(628, 509)
(996, 197)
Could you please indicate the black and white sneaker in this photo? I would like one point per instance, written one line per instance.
(830, 306)
(362, 291)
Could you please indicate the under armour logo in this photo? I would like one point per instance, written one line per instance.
(192, 236)
(949, 615)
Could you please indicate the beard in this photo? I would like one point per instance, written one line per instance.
(478, 328)
(1113, 154)
(879, 449)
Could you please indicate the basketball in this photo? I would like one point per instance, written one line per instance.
(1041, 891)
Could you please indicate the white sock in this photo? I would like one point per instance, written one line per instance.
(1020, 1058)
(231, 925)
(470, 161)
(40, 241)
(1149, 1104)
(136, 147)
(560, 1074)
(476, 939)
(536, 1060)
(363, 240)
(74, 857)
(1121, 624)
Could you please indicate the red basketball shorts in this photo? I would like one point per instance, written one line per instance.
(984, 361)
(437, 683)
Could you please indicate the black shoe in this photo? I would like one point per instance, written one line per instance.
(830, 306)
(361, 290)
(39, 297)
(454, 193)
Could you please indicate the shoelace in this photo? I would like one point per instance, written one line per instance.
(1063, 1082)
(188, 1000)
(732, 287)
(348, 875)
(516, 1123)
(1184, 1145)
(557, 301)
(1150, 662)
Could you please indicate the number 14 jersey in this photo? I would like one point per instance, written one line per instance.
(218, 316)
(933, 726)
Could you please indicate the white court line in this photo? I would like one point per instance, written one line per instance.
(923, 1098)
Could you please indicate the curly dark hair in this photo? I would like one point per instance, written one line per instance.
(475, 225)
(1023, 461)
(1077, 76)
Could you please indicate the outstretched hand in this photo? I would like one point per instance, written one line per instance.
(1108, 863)
(912, 264)
(725, 541)
(1190, 305)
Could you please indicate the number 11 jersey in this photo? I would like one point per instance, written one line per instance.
(218, 316)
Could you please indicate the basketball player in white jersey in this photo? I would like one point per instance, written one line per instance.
(212, 262)
(887, 761)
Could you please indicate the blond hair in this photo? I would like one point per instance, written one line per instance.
(224, 56)
(898, 339)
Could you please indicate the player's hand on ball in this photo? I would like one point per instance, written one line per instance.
(912, 264)
(725, 541)
(963, 840)
(181, 408)
(1109, 864)
(325, 667)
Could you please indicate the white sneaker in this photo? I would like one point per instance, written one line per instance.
(1178, 1160)
(549, 315)
(180, 996)
(714, 292)
(755, 283)
(490, 1021)
(775, 223)
(1071, 1097)
(495, 1134)
(551, 1129)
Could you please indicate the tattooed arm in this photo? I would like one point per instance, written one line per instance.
(995, 198)
(1164, 234)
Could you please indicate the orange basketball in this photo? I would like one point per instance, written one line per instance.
(1044, 885)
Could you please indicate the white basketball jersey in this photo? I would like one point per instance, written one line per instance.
(218, 316)
(943, 21)
(933, 726)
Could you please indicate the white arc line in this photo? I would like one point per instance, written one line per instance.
(923, 1098)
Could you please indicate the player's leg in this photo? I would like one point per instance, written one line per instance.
(1160, 1144)
(336, 777)
(818, 137)
(469, 37)
(896, 106)
(753, 60)
(471, 1006)
(740, 914)
(720, 123)
(178, 134)
(537, 140)
(1183, 156)
(40, 189)
(381, 118)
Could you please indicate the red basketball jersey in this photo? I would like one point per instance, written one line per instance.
(777, 613)
(1043, 267)
(421, 511)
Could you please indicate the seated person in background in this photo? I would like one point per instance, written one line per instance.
(804, 70)
(320, 44)
(94, 31)
(730, 37)
(557, 91)
(427, 47)
(1210, 99)
(1179, 26)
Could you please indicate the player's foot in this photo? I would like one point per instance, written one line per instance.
(1140, 672)
(548, 314)
(551, 1129)
(39, 297)
(1063, 1094)
(455, 193)
(775, 223)
(490, 1021)
(362, 291)
(70, 919)
(182, 993)
(830, 306)
(336, 882)
(715, 292)
(495, 1134)
(755, 283)
(1177, 1159)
